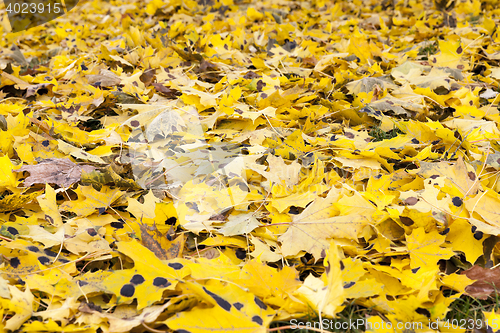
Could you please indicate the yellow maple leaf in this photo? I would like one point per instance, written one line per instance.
(20, 304)
(451, 52)
(90, 200)
(232, 309)
(425, 248)
(325, 294)
(49, 206)
(7, 177)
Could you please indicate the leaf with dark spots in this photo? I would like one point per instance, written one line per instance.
(171, 220)
(219, 300)
(349, 285)
(349, 135)
(33, 248)
(137, 279)
(44, 260)
(15, 262)
(257, 319)
(260, 304)
(117, 225)
(238, 305)
(50, 253)
(161, 282)
(127, 290)
(92, 232)
(457, 201)
(445, 231)
(260, 84)
(13, 231)
(472, 175)
(176, 265)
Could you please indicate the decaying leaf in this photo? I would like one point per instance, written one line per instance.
(105, 78)
(487, 281)
(60, 171)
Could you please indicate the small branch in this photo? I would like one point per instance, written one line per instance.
(152, 329)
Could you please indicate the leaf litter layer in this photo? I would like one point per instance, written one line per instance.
(219, 166)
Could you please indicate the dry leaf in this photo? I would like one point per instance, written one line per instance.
(59, 171)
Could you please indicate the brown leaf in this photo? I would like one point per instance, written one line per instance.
(165, 90)
(251, 75)
(3, 123)
(204, 65)
(411, 201)
(217, 217)
(105, 78)
(59, 171)
(310, 61)
(488, 280)
(148, 76)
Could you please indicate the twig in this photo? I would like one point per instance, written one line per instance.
(152, 329)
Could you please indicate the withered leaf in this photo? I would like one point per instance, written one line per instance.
(488, 280)
(148, 76)
(59, 171)
(167, 92)
(105, 78)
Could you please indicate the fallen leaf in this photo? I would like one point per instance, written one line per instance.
(60, 171)
(487, 281)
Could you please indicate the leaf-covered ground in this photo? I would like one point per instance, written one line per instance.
(219, 166)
